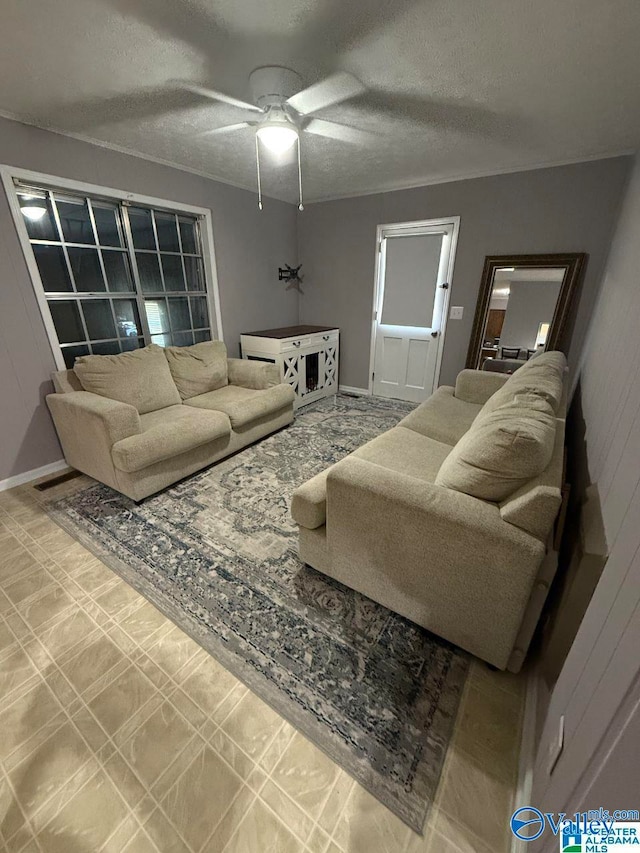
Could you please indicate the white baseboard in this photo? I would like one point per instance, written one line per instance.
(527, 755)
(35, 474)
(360, 392)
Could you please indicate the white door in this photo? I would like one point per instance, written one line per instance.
(415, 264)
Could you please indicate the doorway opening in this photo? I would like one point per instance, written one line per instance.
(411, 300)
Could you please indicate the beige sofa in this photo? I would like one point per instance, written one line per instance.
(142, 420)
(448, 517)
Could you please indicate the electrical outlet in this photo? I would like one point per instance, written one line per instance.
(456, 312)
(555, 747)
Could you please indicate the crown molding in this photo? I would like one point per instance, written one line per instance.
(418, 183)
(119, 149)
(413, 184)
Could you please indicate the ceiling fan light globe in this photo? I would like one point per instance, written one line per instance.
(277, 138)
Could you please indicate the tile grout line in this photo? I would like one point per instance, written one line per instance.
(206, 742)
(84, 705)
(176, 686)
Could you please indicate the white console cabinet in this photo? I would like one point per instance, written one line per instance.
(306, 355)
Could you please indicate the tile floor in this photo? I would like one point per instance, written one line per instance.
(119, 733)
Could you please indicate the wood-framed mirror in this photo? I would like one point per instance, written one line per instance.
(524, 305)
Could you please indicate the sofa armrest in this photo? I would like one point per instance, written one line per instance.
(476, 386)
(309, 502)
(118, 420)
(88, 426)
(441, 558)
(257, 375)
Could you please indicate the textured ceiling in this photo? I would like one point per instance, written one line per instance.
(455, 88)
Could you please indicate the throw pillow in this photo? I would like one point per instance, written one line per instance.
(140, 378)
(199, 368)
(502, 452)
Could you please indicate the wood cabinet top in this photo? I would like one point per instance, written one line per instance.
(291, 331)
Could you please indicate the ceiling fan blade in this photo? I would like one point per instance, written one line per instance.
(458, 116)
(228, 128)
(148, 104)
(335, 89)
(341, 132)
(217, 96)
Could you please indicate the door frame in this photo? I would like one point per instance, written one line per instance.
(409, 229)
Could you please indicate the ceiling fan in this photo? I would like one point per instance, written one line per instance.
(287, 110)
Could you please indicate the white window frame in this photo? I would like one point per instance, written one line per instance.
(9, 173)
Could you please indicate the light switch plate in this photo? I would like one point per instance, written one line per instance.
(456, 312)
(555, 747)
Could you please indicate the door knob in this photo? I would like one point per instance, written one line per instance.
(434, 334)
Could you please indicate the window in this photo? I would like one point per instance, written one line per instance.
(116, 276)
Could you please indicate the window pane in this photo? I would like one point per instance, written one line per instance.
(203, 335)
(183, 339)
(116, 267)
(71, 353)
(410, 280)
(149, 271)
(107, 225)
(127, 319)
(162, 340)
(172, 270)
(199, 312)
(43, 228)
(106, 348)
(131, 343)
(66, 319)
(157, 315)
(53, 269)
(141, 228)
(193, 269)
(85, 265)
(75, 221)
(179, 312)
(99, 319)
(167, 232)
(188, 236)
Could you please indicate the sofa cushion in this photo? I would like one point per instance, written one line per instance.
(503, 450)
(407, 452)
(442, 417)
(199, 368)
(544, 377)
(245, 405)
(140, 378)
(167, 433)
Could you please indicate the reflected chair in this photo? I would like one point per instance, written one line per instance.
(510, 352)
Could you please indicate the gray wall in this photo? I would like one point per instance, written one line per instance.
(530, 303)
(249, 248)
(597, 689)
(564, 209)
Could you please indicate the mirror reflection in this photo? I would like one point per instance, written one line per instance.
(519, 316)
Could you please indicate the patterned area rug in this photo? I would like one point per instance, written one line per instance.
(217, 554)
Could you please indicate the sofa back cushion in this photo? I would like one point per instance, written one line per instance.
(140, 378)
(503, 451)
(199, 368)
(542, 377)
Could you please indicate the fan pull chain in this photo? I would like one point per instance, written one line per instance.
(300, 206)
(258, 169)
